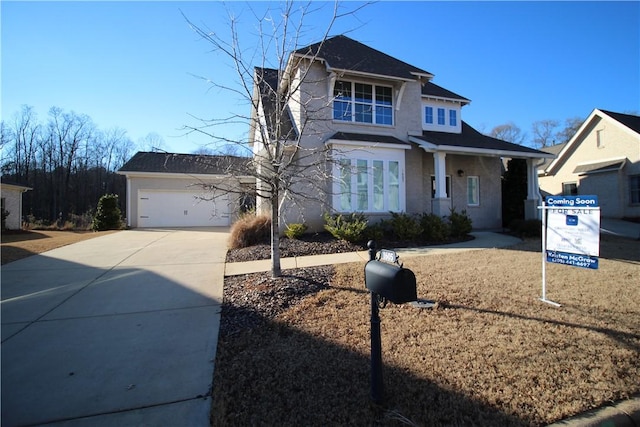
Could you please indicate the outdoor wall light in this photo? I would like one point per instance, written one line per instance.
(460, 173)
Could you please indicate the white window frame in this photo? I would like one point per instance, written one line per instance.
(442, 121)
(473, 199)
(384, 155)
(352, 102)
(453, 118)
(428, 114)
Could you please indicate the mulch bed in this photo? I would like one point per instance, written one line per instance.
(251, 300)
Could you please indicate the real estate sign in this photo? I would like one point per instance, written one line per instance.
(573, 230)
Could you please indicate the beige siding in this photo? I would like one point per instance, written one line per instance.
(602, 139)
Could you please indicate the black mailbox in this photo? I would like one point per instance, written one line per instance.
(390, 281)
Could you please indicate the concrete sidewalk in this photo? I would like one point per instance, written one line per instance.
(482, 240)
(116, 330)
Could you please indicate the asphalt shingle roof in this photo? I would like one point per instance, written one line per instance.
(343, 53)
(153, 162)
(471, 138)
(608, 166)
(630, 121)
(377, 139)
(430, 89)
(553, 149)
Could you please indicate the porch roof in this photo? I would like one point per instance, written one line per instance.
(376, 139)
(599, 167)
(472, 142)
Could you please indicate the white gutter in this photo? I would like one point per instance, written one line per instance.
(432, 148)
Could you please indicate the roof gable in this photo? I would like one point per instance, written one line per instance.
(343, 53)
(628, 122)
(195, 164)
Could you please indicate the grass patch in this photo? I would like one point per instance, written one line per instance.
(21, 244)
(490, 353)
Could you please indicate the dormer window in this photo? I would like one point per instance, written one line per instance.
(428, 115)
(441, 116)
(362, 103)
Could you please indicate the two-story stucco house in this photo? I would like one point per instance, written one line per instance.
(394, 141)
(602, 159)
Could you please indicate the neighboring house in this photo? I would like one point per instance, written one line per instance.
(11, 201)
(603, 159)
(398, 141)
(174, 190)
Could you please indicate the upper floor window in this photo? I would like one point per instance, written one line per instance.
(362, 103)
(453, 118)
(441, 116)
(428, 115)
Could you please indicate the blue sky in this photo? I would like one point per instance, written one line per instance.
(133, 64)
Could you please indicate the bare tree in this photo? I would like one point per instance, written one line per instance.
(67, 161)
(24, 132)
(152, 142)
(284, 169)
(571, 126)
(509, 132)
(544, 132)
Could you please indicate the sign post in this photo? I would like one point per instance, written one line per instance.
(570, 234)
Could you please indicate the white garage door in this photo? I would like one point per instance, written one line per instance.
(181, 209)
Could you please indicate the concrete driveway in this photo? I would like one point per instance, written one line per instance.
(117, 330)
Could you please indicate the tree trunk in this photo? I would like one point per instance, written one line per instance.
(275, 237)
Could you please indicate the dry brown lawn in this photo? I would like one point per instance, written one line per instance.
(18, 245)
(490, 353)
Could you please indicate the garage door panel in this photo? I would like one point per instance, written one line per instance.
(182, 209)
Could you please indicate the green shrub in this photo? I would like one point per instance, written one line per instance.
(377, 231)
(108, 214)
(295, 231)
(349, 227)
(405, 227)
(459, 223)
(434, 228)
(526, 228)
(250, 230)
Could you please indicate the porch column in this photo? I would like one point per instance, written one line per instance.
(440, 204)
(532, 202)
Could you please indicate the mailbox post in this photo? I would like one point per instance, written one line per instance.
(386, 282)
(377, 386)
